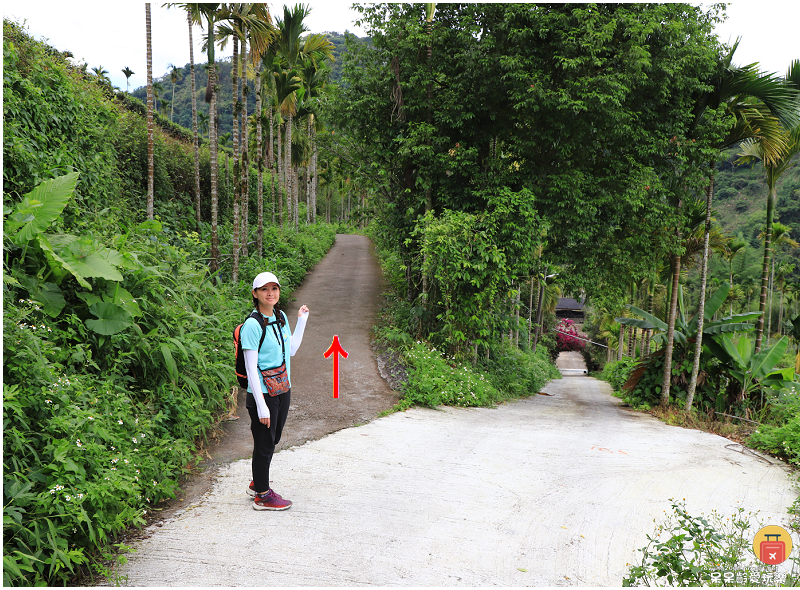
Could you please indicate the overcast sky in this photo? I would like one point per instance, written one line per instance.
(112, 34)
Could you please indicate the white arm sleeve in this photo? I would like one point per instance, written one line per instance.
(254, 378)
(297, 337)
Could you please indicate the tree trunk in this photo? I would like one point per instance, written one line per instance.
(245, 157)
(237, 171)
(539, 315)
(651, 294)
(516, 304)
(771, 296)
(315, 178)
(211, 95)
(288, 169)
(260, 163)
(429, 120)
(621, 347)
(765, 270)
(270, 155)
(673, 312)
(196, 136)
(150, 130)
(530, 313)
(698, 346)
(280, 176)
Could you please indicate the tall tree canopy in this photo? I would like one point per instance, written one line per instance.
(580, 105)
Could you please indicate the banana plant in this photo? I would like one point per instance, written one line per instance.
(753, 370)
(686, 329)
(793, 331)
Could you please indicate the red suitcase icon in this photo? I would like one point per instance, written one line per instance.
(773, 552)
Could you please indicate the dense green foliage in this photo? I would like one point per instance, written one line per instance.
(116, 348)
(575, 104)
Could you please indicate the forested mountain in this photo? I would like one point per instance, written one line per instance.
(740, 209)
(180, 109)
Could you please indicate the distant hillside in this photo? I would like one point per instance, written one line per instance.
(182, 106)
(740, 202)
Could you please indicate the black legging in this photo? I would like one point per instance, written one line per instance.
(265, 439)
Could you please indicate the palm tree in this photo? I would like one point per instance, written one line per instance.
(243, 22)
(128, 73)
(225, 139)
(158, 88)
(209, 12)
(780, 237)
(430, 9)
(193, 15)
(774, 167)
(288, 50)
(753, 102)
(175, 75)
(196, 138)
(315, 78)
(202, 122)
(784, 270)
(287, 83)
(150, 130)
(102, 74)
(733, 248)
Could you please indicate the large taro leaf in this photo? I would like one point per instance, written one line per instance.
(86, 258)
(51, 299)
(111, 319)
(58, 265)
(118, 295)
(40, 207)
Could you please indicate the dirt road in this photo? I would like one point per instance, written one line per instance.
(554, 490)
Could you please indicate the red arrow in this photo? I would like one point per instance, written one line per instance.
(335, 349)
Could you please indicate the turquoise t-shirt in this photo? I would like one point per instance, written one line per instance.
(270, 354)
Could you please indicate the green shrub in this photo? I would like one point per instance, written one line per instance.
(435, 379)
(687, 550)
(782, 438)
(519, 374)
(617, 372)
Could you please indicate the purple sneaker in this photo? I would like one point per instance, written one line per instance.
(270, 501)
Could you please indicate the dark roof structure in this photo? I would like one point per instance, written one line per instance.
(571, 309)
(569, 303)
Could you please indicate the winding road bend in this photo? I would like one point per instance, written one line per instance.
(557, 489)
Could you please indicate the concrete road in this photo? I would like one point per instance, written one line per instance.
(555, 490)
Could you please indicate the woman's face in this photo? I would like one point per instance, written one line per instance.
(267, 295)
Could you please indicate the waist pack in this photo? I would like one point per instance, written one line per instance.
(276, 380)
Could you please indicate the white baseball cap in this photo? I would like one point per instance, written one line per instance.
(264, 278)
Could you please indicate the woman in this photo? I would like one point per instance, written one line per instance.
(268, 413)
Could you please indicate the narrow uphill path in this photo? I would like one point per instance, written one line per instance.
(343, 293)
(554, 490)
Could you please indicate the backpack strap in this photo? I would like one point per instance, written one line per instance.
(264, 325)
(260, 319)
(283, 345)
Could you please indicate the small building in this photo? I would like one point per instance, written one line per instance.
(570, 309)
